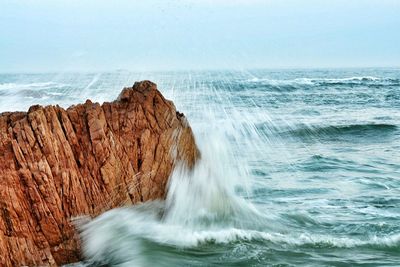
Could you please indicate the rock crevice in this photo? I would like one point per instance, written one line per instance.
(58, 163)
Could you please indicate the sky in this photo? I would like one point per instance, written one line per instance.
(101, 35)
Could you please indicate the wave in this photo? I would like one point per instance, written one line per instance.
(339, 130)
(327, 81)
(121, 226)
(352, 79)
(233, 235)
(277, 82)
(312, 240)
(29, 86)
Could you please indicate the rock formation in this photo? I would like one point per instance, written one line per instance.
(56, 164)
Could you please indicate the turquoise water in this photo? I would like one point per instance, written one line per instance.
(299, 168)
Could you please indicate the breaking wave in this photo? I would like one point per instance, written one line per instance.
(145, 222)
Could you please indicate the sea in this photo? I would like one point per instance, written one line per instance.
(299, 167)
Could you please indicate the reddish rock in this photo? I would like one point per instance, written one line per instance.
(56, 164)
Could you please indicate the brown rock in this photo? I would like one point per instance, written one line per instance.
(56, 164)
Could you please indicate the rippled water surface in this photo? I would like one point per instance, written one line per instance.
(298, 168)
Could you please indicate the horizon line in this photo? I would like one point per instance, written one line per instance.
(192, 70)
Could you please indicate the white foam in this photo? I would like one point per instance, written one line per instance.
(115, 227)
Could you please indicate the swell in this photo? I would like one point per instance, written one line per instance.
(369, 80)
(340, 130)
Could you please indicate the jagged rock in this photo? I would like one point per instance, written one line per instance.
(56, 164)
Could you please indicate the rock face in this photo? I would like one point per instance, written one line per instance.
(56, 164)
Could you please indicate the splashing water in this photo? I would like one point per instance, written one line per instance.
(201, 207)
(298, 168)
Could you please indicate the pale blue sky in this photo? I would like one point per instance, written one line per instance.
(204, 34)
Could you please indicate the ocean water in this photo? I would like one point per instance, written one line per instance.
(298, 168)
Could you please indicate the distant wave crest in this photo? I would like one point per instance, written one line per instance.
(28, 86)
(327, 81)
